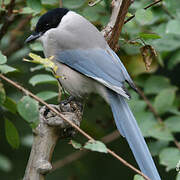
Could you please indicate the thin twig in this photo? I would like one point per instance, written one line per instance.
(107, 31)
(93, 3)
(167, 12)
(111, 137)
(21, 25)
(71, 123)
(79, 154)
(127, 164)
(147, 7)
(177, 144)
(15, 44)
(60, 3)
(151, 108)
(68, 159)
(152, 4)
(9, 18)
(47, 105)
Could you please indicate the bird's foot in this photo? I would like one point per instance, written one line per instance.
(73, 102)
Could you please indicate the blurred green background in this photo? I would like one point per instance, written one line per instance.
(158, 27)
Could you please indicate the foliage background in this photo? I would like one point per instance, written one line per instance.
(160, 85)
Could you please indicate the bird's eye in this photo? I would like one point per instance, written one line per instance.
(47, 25)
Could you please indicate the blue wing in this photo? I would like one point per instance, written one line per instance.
(99, 64)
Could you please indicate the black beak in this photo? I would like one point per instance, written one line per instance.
(33, 37)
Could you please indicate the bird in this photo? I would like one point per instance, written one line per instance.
(88, 65)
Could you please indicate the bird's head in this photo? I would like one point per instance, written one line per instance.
(49, 20)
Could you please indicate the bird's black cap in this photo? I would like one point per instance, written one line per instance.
(49, 20)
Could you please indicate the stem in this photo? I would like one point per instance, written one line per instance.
(76, 155)
(8, 19)
(147, 7)
(119, 24)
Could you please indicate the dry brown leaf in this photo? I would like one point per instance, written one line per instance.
(148, 53)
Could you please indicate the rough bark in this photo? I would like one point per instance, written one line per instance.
(51, 128)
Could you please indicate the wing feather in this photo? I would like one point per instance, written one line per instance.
(102, 65)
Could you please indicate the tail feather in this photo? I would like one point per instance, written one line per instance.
(128, 127)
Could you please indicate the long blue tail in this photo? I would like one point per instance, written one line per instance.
(128, 127)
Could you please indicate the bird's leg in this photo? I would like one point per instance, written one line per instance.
(68, 100)
(73, 102)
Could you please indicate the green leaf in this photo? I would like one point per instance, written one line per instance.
(164, 100)
(37, 68)
(5, 1)
(2, 94)
(178, 175)
(5, 163)
(137, 105)
(161, 132)
(149, 36)
(28, 109)
(144, 17)
(169, 157)
(173, 123)
(10, 105)
(168, 42)
(173, 27)
(172, 6)
(27, 10)
(6, 69)
(27, 140)
(146, 122)
(35, 5)
(36, 46)
(157, 146)
(46, 95)
(71, 4)
(93, 13)
(138, 177)
(33, 22)
(3, 59)
(174, 110)
(155, 84)
(96, 146)
(12, 135)
(75, 144)
(50, 2)
(42, 79)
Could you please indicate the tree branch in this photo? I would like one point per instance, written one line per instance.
(60, 3)
(151, 108)
(113, 41)
(15, 45)
(107, 31)
(50, 129)
(9, 17)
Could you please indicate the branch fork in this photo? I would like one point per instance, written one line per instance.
(51, 128)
